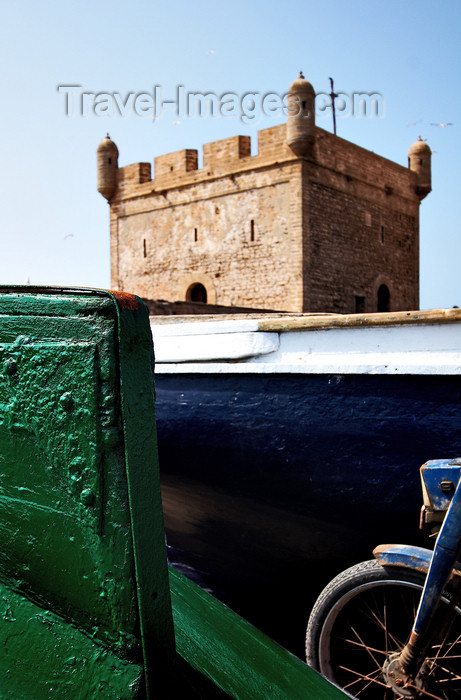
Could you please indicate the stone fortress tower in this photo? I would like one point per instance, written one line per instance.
(312, 223)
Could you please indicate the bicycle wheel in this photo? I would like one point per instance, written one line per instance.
(363, 617)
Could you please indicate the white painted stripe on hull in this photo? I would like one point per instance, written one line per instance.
(238, 347)
(388, 364)
(215, 346)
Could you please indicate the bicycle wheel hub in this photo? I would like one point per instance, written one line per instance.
(396, 679)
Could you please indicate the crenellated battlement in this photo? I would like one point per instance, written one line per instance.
(171, 166)
(272, 144)
(219, 154)
(231, 156)
(220, 158)
(130, 176)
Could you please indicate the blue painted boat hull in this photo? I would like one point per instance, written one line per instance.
(273, 483)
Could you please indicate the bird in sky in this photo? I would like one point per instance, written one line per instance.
(442, 124)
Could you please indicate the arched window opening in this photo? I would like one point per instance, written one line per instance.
(384, 298)
(196, 292)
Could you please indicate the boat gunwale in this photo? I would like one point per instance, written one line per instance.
(397, 318)
(287, 321)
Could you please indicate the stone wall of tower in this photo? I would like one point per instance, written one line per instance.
(361, 230)
(356, 246)
(233, 226)
(239, 238)
(269, 231)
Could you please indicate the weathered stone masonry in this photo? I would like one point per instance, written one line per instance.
(310, 223)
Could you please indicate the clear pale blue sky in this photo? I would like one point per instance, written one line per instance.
(55, 225)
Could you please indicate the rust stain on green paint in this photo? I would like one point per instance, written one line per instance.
(126, 301)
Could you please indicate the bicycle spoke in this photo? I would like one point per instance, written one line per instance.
(422, 691)
(361, 677)
(440, 667)
(397, 642)
(440, 646)
(386, 633)
(365, 646)
(352, 642)
(379, 616)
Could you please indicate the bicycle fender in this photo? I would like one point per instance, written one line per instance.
(409, 557)
(403, 555)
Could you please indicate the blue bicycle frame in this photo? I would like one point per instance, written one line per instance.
(442, 494)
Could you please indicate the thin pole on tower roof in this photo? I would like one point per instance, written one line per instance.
(333, 96)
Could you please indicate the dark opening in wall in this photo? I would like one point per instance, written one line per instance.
(195, 235)
(252, 230)
(144, 248)
(384, 298)
(196, 292)
(359, 305)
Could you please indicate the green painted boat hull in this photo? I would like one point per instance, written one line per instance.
(88, 607)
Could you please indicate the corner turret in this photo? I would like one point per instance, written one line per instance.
(419, 161)
(107, 158)
(301, 116)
